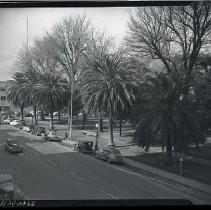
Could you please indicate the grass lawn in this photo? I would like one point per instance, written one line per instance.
(191, 170)
(204, 152)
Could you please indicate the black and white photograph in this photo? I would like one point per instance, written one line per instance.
(105, 103)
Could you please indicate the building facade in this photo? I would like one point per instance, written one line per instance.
(5, 105)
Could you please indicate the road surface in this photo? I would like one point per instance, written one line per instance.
(49, 171)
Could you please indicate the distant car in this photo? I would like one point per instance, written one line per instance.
(15, 122)
(110, 154)
(85, 147)
(38, 131)
(28, 128)
(52, 136)
(7, 121)
(12, 145)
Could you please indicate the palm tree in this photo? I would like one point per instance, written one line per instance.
(167, 115)
(16, 91)
(108, 86)
(32, 78)
(49, 91)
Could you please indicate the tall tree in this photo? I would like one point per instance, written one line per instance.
(16, 91)
(49, 91)
(68, 44)
(164, 112)
(108, 86)
(163, 32)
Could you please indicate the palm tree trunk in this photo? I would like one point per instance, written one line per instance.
(59, 115)
(101, 124)
(110, 122)
(120, 127)
(35, 115)
(169, 149)
(51, 120)
(21, 112)
(84, 119)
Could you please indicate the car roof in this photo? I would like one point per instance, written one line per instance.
(12, 139)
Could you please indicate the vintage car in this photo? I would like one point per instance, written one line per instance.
(85, 147)
(12, 145)
(28, 128)
(7, 191)
(7, 121)
(38, 131)
(51, 135)
(110, 154)
(15, 122)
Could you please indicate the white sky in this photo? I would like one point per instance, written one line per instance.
(13, 28)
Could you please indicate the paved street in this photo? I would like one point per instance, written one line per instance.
(52, 171)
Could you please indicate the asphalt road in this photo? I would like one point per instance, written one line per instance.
(49, 171)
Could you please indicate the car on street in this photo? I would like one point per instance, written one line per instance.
(51, 135)
(85, 147)
(28, 128)
(12, 145)
(15, 122)
(7, 190)
(7, 121)
(38, 131)
(110, 154)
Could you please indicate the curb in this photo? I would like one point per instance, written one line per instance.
(189, 183)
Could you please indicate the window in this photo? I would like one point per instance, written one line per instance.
(3, 98)
(2, 89)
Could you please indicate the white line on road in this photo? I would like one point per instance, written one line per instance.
(36, 153)
(185, 195)
(77, 176)
(109, 194)
(52, 162)
(153, 181)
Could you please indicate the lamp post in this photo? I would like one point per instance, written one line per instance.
(97, 136)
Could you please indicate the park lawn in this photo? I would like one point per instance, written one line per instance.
(192, 170)
(204, 152)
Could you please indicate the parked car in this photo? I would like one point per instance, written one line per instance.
(38, 131)
(12, 145)
(110, 154)
(85, 147)
(7, 190)
(7, 121)
(15, 122)
(51, 135)
(28, 128)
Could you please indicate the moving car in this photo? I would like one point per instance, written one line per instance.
(15, 122)
(38, 131)
(12, 145)
(110, 154)
(52, 136)
(85, 147)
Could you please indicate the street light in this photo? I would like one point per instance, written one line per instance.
(97, 136)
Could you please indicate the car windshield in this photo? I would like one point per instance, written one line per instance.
(13, 141)
(116, 151)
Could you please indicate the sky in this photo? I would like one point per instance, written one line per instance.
(13, 24)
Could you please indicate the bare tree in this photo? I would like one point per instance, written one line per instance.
(165, 33)
(68, 43)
